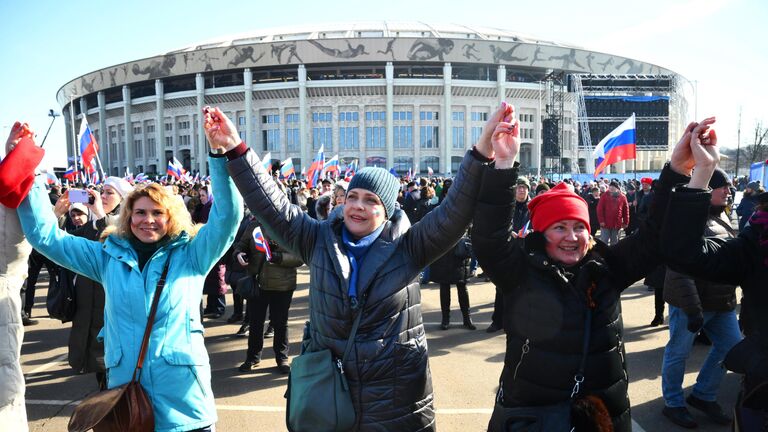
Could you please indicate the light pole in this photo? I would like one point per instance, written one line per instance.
(52, 114)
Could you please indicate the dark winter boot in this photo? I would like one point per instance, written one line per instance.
(446, 322)
(464, 305)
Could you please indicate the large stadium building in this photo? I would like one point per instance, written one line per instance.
(407, 95)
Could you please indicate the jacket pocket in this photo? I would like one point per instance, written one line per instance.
(411, 376)
(186, 356)
(112, 357)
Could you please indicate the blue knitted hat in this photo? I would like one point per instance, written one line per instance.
(379, 181)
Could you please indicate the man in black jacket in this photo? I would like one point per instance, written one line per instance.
(695, 304)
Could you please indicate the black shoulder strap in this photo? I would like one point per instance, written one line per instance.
(579, 377)
(355, 325)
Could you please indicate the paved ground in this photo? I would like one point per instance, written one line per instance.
(465, 368)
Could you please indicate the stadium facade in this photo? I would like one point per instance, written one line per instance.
(407, 95)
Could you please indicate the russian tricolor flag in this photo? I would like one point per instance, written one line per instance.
(266, 162)
(175, 169)
(70, 174)
(619, 145)
(332, 166)
(88, 145)
(351, 170)
(261, 244)
(313, 174)
(286, 168)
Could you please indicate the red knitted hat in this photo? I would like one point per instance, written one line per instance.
(17, 172)
(557, 204)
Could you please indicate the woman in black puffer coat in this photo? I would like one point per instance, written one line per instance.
(453, 269)
(366, 254)
(555, 279)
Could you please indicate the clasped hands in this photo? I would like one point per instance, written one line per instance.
(219, 130)
(500, 138)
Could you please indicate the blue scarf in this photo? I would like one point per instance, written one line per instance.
(356, 251)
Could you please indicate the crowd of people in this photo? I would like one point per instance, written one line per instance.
(558, 287)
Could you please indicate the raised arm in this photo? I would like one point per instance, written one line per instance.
(441, 228)
(634, 256)
(42, 230)
(497, 250)
(686, 248)
(283, 221)
(216, 236)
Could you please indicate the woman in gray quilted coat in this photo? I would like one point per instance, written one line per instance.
(367, 254)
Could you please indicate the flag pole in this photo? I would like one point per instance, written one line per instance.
(76, 153)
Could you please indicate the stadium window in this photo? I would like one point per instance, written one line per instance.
(458, 137)
(428, 137)
(292, 139)
(429, 162)
(349, 138)
(455, 163)
(241, 120)
(403, 137)
(137, 148)
(476, 132)
(402, 164)
(168, 142)
(457, 116)
(479, 116)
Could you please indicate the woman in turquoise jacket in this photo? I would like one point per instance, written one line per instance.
(154, 228)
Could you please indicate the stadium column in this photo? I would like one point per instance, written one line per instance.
(501, 84)
(447, 116)
(303, 130)
(282, 151)
(202, 152)
(105, 155)
(129, 155)
(416, 135)
(389, 74)
(160, 127)
(248, 96)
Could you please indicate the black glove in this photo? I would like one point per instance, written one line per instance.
(277, 258)
(695, 322)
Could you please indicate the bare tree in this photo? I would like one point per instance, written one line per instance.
(757, 150)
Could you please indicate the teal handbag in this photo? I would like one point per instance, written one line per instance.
(318, 395)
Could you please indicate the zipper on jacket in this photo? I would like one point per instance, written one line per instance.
(523, 351)
(340, 365)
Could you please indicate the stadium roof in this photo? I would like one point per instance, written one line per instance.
(369, 29)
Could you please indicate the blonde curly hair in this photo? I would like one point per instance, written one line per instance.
(179, 219)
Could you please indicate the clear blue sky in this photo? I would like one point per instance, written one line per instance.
(717, 43)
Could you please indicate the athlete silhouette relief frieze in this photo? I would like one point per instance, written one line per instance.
(468, 49)
(350, 52)
(632, 67)
(156, 68)
(537, 56)
(568, 59)
(427, 49)
(389, 50)
(500, 54)
(246, 53)
(87, 86)
(606, 63)
(277, 51)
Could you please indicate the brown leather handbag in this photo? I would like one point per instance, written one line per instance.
(126, 408)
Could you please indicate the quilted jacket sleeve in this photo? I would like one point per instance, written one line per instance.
(216, 236)
(42, 231)
(283, 221)
(497, 252)
(441, 228)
